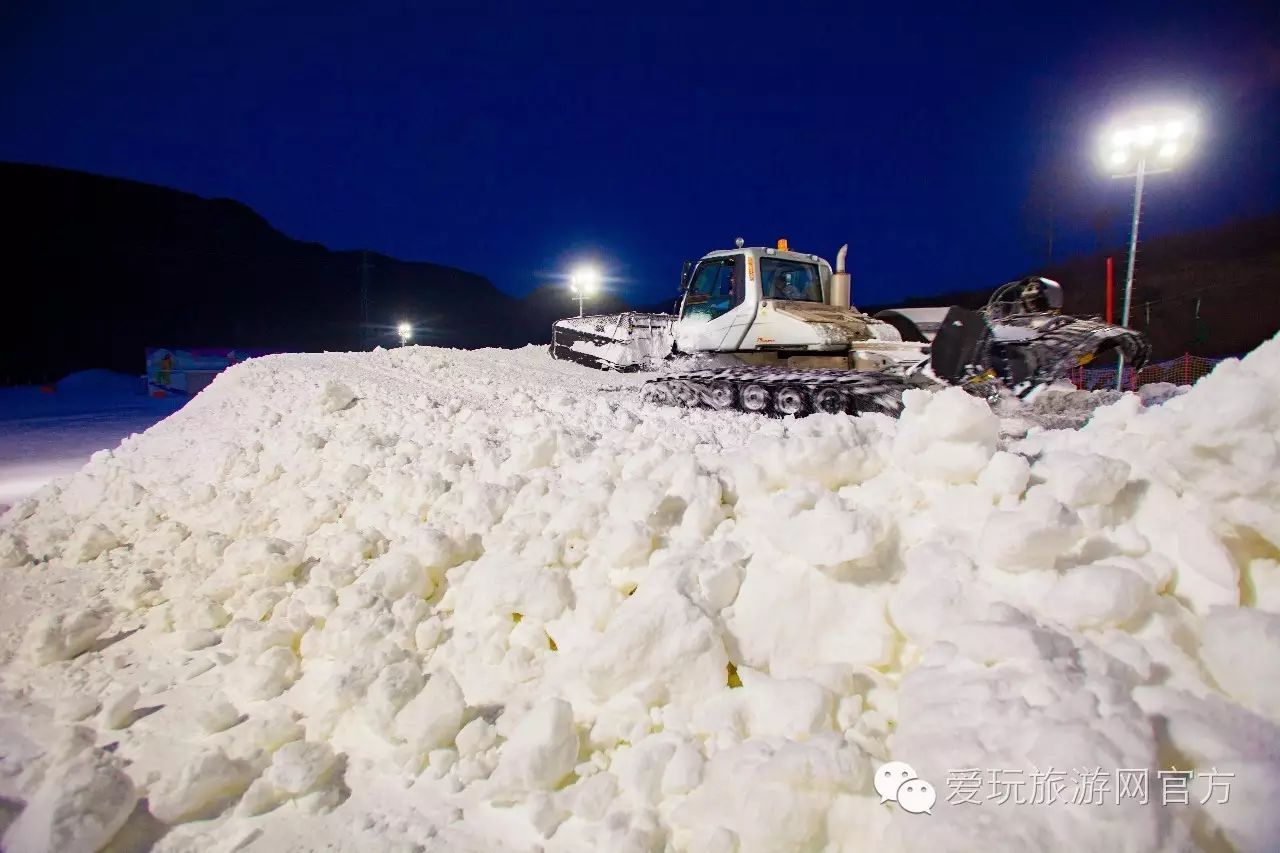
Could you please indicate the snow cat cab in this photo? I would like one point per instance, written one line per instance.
(773, 306)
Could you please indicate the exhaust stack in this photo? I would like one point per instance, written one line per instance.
(840, 286)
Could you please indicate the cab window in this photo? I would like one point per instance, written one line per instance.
(781, 278)
(715, 288)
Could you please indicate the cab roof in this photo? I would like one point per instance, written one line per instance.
(769, 252)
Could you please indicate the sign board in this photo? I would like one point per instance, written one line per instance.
(187, 371)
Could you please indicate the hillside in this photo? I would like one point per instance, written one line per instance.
(100, 268)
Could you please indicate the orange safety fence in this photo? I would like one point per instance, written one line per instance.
(1184, 370)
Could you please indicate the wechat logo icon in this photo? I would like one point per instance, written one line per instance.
(897, 781)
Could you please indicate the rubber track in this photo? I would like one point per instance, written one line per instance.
(860, 392)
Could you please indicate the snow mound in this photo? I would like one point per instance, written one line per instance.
(100, 382)
(480, 600)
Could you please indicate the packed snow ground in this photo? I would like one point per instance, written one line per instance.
(45, 436)
(429, 599)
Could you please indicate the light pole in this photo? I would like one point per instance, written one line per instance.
(1146, 143)
(583, 282)
(405, 330)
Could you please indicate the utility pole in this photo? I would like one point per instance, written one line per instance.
(1152, 142)
(1133, 254)
(364, 300)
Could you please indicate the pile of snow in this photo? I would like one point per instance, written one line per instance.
(98, 381)
(482, 600)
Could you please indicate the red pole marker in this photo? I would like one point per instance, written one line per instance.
(1111, 290)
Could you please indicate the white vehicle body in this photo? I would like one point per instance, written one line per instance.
(763, 300)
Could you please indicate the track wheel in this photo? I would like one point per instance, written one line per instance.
(686, 396)
(755, 398)
(830, 400)
(658, 394)
(789, 401)
(720, 395)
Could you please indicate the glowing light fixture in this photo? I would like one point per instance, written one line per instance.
(584, 281)
(1151, 141)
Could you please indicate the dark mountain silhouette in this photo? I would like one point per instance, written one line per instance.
(101, 268)
(1212, 292)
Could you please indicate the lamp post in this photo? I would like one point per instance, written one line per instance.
(405, 330)
(583, 282)
(1134, 148)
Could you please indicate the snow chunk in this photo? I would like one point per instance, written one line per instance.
(673, 649)
(1006, 475)
(775, 795)
(78, 706)
(1252, 677)
(827, 535)
(301, 766)
(789, 622)
(397, 574)
(88, 542)
(796, 709)
(217, 715)
(118, 710)
(272, 560)
(78, 808)
(476, 736)
(543, 747)
(1155, 393)
(432, 718)
(390, 691)
(200, 788)
(13, 552)
(935, 590)
(1264, 580)
(949, 435)
(639, 769)
(335, 396)
(1098, 596)
(1030, 536)
(297, 770)
(63, 636)
(1077, 479)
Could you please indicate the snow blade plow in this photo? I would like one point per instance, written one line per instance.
(625, 342)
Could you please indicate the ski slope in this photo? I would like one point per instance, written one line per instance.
(448, 600)
(44, 436)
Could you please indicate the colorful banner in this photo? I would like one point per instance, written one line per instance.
(187, 371)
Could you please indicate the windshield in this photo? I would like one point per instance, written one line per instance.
(784, 279)
(714, 288)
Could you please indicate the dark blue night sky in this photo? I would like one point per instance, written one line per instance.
(514, 139)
